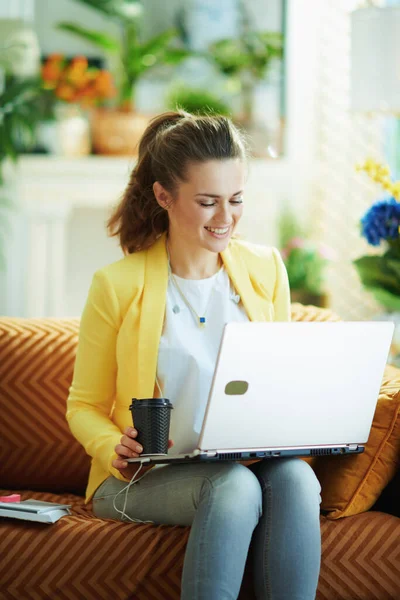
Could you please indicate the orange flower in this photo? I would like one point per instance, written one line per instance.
(75, 81)
(66, 92)
(55, 58)
(76, 72)
(52, 69)
(104, 84)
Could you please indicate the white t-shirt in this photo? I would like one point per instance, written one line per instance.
(187, 353)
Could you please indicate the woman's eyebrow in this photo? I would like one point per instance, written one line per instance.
(217, 196)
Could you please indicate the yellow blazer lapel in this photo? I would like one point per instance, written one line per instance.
(152, 315)
(239, 275)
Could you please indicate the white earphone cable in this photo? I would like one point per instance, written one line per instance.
(126, 489)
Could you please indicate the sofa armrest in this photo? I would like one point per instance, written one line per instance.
(301, 312)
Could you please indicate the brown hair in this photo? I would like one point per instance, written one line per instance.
(171, 141)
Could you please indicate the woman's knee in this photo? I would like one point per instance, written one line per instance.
(291, 473)
(235, 486)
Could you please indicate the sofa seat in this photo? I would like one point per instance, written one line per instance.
(82, 557)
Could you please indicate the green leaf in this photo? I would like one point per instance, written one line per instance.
(19, 91)
(393, 265)
(374, 273)
(158, 42)
(125, 10)
(101, 40)
(174, 56)
(385, 298)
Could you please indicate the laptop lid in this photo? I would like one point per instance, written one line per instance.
(295, 384)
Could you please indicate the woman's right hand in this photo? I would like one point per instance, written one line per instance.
(129, 448)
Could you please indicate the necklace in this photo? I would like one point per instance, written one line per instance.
(201, 321)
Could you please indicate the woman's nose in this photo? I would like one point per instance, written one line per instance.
(224, 214)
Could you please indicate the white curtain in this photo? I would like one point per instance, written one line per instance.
(341, 195)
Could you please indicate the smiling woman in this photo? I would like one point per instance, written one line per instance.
(152, 325)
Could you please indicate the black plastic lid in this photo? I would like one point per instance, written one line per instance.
(150, 403)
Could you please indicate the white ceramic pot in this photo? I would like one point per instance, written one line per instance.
(67, 135)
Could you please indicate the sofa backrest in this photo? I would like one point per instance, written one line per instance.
(37, 449)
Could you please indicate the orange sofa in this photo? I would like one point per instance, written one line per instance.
(82, 557)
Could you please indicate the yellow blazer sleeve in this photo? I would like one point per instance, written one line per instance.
(92, 391)
(281, 297)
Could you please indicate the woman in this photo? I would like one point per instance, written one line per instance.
(152, 326)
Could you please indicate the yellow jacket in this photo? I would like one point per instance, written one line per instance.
(120, 330)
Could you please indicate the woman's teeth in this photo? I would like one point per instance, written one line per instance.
(218, 231)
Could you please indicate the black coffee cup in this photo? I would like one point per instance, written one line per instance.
(151, 418)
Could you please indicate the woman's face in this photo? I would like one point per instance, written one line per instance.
(207, 207)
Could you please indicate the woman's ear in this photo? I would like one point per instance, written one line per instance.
(162, 196)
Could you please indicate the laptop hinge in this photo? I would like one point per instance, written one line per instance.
(353, 446)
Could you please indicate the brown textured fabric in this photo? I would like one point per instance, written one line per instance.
(36, 365)
(82, 557)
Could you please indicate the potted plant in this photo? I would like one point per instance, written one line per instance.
(117, 131)
(305, 262)
(247, 59)
(380, 273)
(69, 89)
(196, 100)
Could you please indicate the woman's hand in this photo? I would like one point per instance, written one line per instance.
(129, 448)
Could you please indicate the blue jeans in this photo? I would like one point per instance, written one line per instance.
(273, 504)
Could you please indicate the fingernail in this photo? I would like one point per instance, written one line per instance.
(139, 448)
(124, 464)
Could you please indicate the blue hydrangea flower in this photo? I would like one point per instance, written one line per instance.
(381, 221)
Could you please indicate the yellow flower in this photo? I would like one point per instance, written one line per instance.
(380, 173)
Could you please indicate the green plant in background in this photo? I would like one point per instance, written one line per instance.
(305, 264)
(380, 274)
(247, 60)
(17, 129)
(17, 118)
(133, 56)
(305, 261)
(196, 100)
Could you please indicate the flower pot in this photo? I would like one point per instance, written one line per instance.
(117, 132)
(67, 135)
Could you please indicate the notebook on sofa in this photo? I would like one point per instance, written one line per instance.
(34, 510)
(290, 389)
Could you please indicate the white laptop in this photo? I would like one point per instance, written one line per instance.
(291, 389)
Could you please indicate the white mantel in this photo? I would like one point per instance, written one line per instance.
(58, 237)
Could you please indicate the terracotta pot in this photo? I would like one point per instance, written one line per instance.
(116, 132)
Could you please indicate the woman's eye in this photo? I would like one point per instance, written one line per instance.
(214, 203)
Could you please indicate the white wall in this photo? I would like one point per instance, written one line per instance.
(285, 180)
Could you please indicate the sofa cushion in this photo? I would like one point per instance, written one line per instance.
(144, 562)
(352, 484)
(37, 449)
